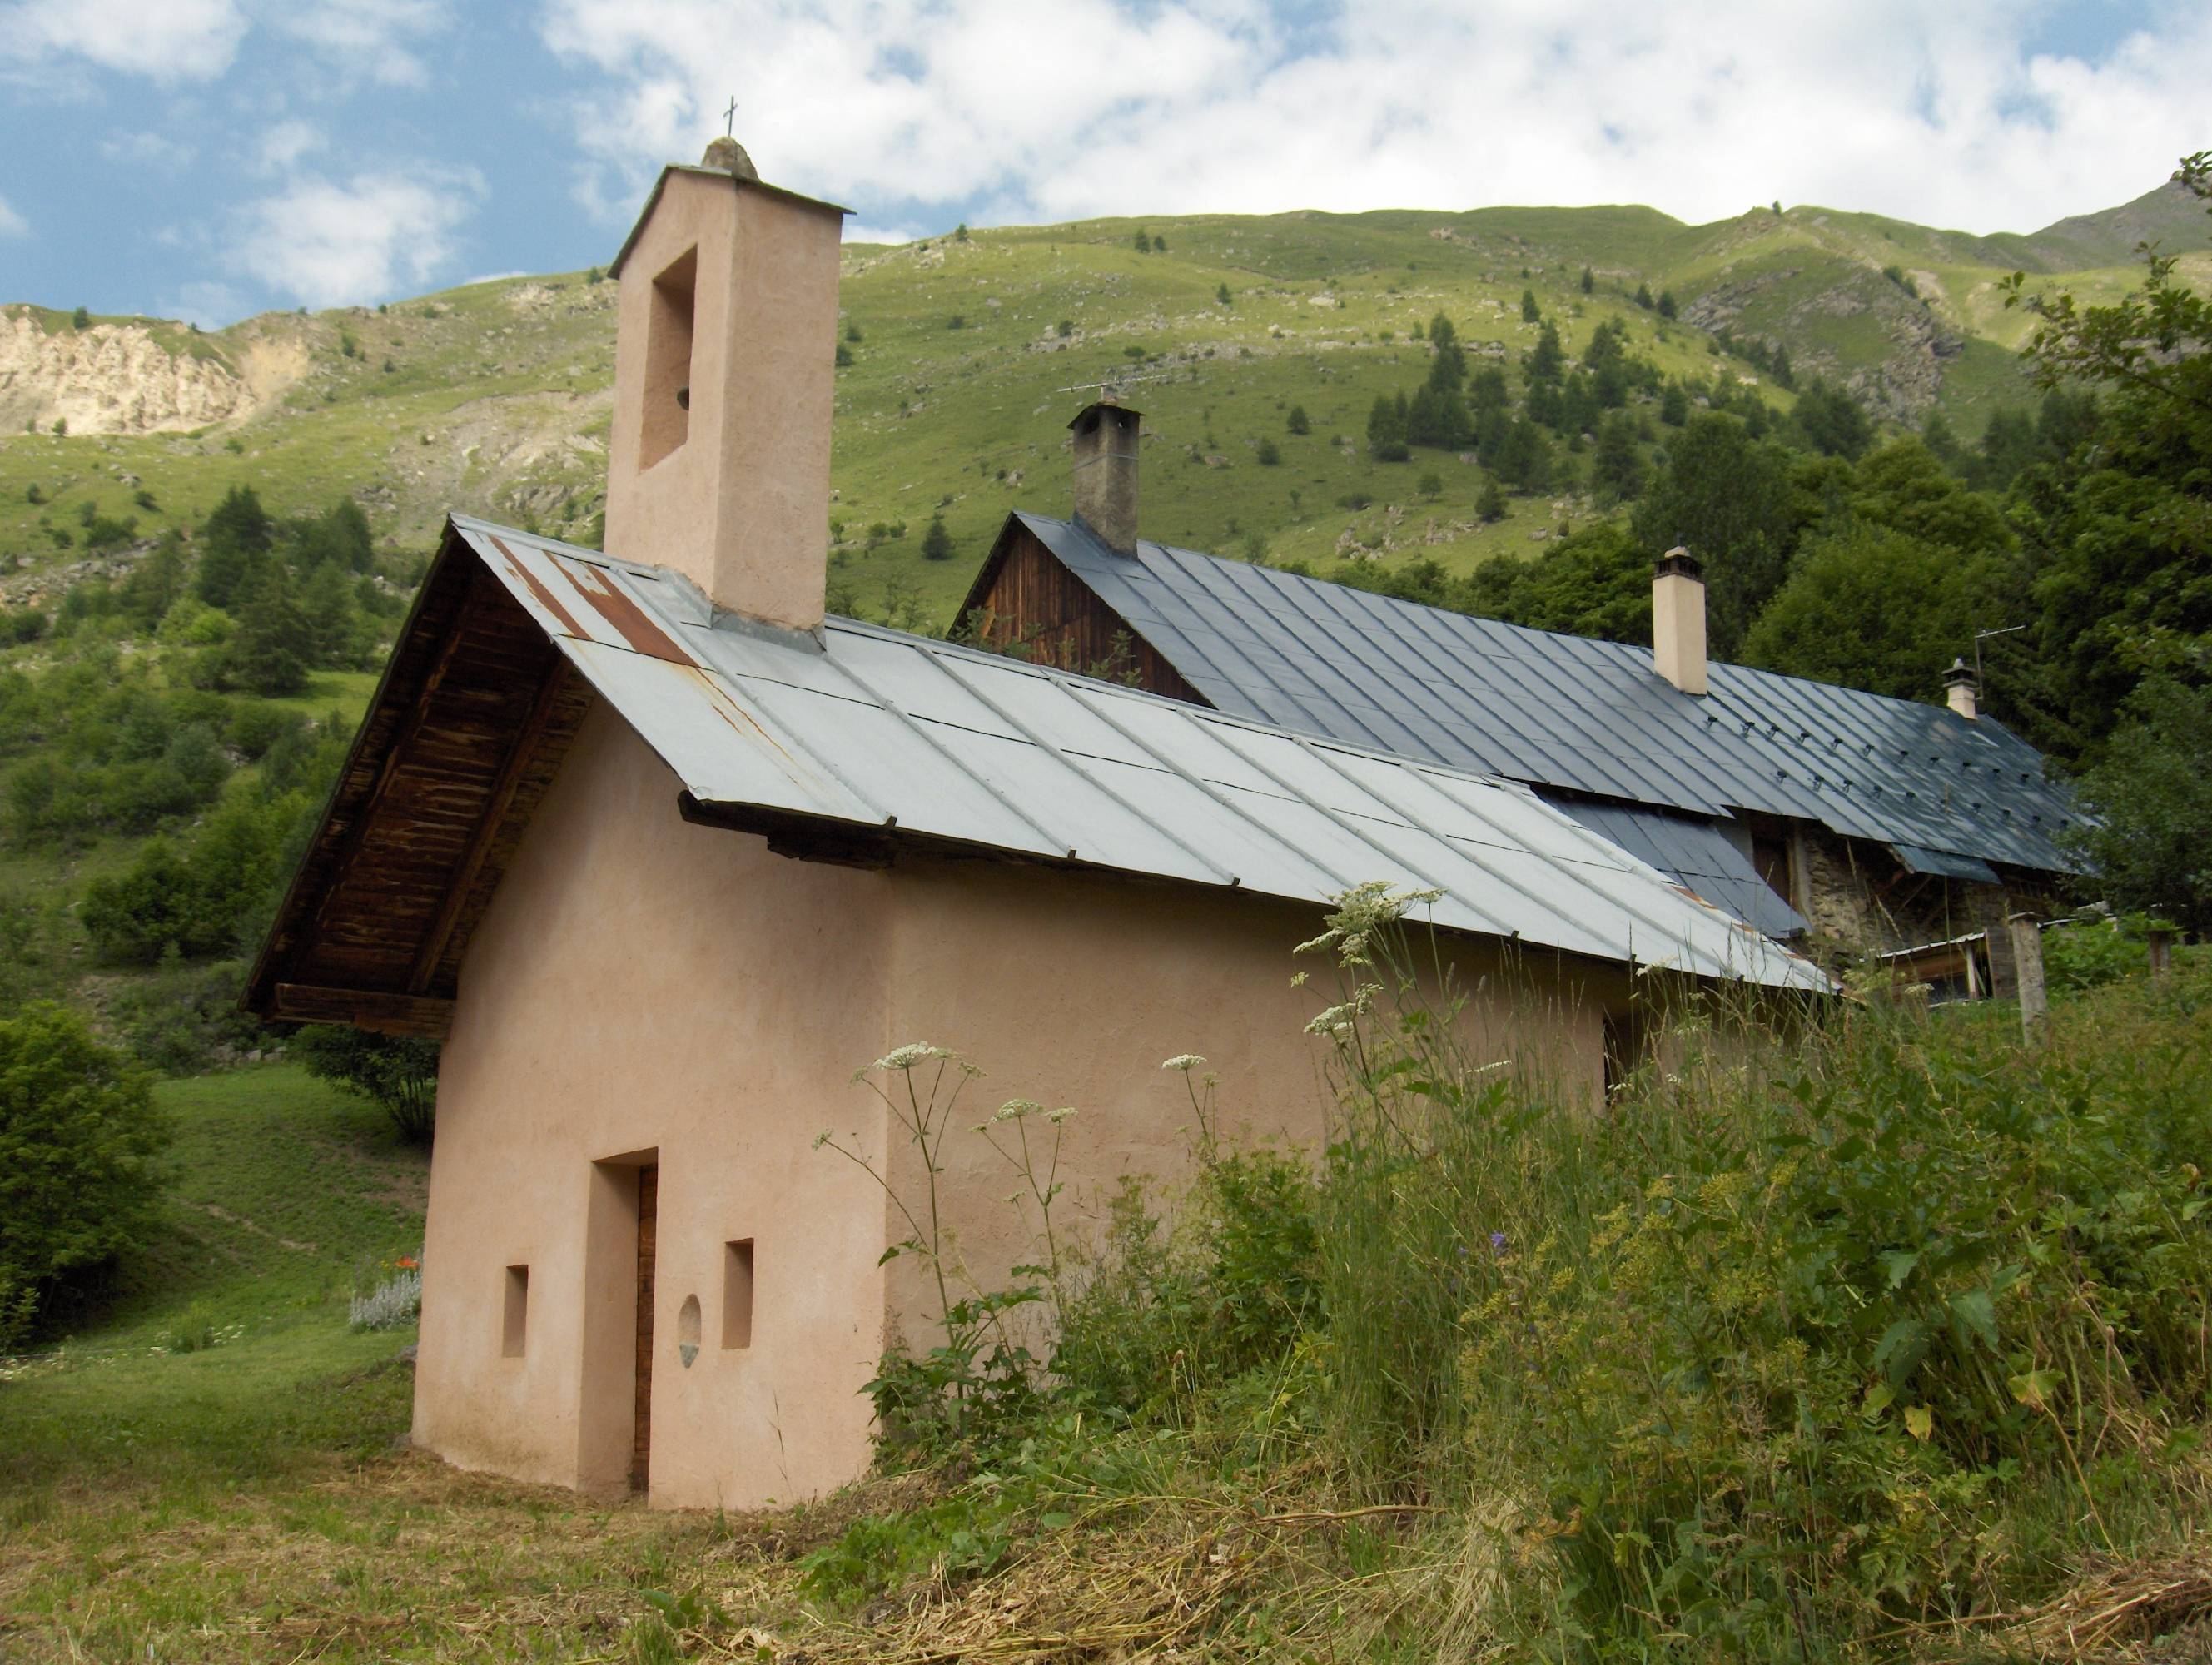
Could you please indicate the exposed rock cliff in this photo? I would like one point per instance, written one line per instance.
(112, 378)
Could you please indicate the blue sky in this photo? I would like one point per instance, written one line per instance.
(213, 158)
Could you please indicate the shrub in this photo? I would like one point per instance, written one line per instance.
(1297, 421)
(399, 1075)
(1788, 1336)
(2152, 794)
(1269, 454)
(394, 1301)
(79, 1143)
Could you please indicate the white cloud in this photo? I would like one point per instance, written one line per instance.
(283, 144)
(324, 243)
(856, 232)
(915, 106)
(12, 224)
(168, 39)
(147, 150)
(377, 40)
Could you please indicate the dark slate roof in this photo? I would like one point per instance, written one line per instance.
(1697, 852)
(1578, 715)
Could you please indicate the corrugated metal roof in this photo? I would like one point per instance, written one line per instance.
(1697, 852)
(877, 729)
(1575, 713)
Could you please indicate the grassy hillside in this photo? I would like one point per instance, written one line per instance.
(493, 398)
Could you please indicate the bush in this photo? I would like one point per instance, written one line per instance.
(1794, 1334)
(79, 1143)
(2152, 796)
(1269, 454)
(399, 1075)
(2090, 953)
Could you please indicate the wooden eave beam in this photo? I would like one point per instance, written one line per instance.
(419, 1016)
(543, 710)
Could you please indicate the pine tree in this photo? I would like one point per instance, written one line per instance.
(1529, 311)
(1491, 505)
(1547, 360)
(234, 540)
(81, 320)
(326, 603)
(1590, 282)
(1644, 296)
(1673, 405)
(270, 653)
(936, 542)
(1617, 468)
(1666, 303)
(1144, 242)
(1298, 423)
(1223, 295)
(1386, 430)
(1269, 454)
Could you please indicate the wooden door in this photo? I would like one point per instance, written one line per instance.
(640, 1449)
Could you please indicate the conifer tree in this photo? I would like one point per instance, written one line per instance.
(275, 642)
(234, 541)
(936, 542)
(1297, 421)
(1617, 468)
(1529, 311)
(1590, 282)
(1547, 360)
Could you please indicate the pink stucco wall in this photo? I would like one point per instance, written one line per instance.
(640, 984)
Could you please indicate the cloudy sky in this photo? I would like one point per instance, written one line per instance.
(212, 158)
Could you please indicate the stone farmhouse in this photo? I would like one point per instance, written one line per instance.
(663, 854)
(1865, 824)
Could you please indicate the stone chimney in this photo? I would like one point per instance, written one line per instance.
(1106, 473)
(1678, 620)
(1962, 688)
(725, 349)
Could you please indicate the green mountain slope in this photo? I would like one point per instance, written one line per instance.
(494, 398)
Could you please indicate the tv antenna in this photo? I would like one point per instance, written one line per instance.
(1982, 636)
(1113, 385)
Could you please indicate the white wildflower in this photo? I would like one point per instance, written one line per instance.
(1185, 1062)
(1060, 1115)
(910, 1056)
(1015, 1109)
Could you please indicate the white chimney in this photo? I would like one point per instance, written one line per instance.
(725, 353)
(1961, 689)
(1678, 620)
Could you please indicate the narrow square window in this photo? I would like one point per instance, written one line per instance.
(666, 422)
(737, 1293)
(515, 1326)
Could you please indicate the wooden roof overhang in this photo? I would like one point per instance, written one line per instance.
(465, 732)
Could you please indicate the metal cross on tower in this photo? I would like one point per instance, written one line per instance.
(730, 118)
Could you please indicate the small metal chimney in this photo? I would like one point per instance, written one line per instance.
(1962, 688)
(1678, 620)
(1106, 473)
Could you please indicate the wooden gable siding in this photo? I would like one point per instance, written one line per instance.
(1033, 608)
(465, 736)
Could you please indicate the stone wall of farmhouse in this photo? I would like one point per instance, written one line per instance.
(1859, 901)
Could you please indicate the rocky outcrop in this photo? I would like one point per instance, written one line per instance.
(110, 378)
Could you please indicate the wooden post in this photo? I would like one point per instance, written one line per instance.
(2161, 948)
(2027, 965)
